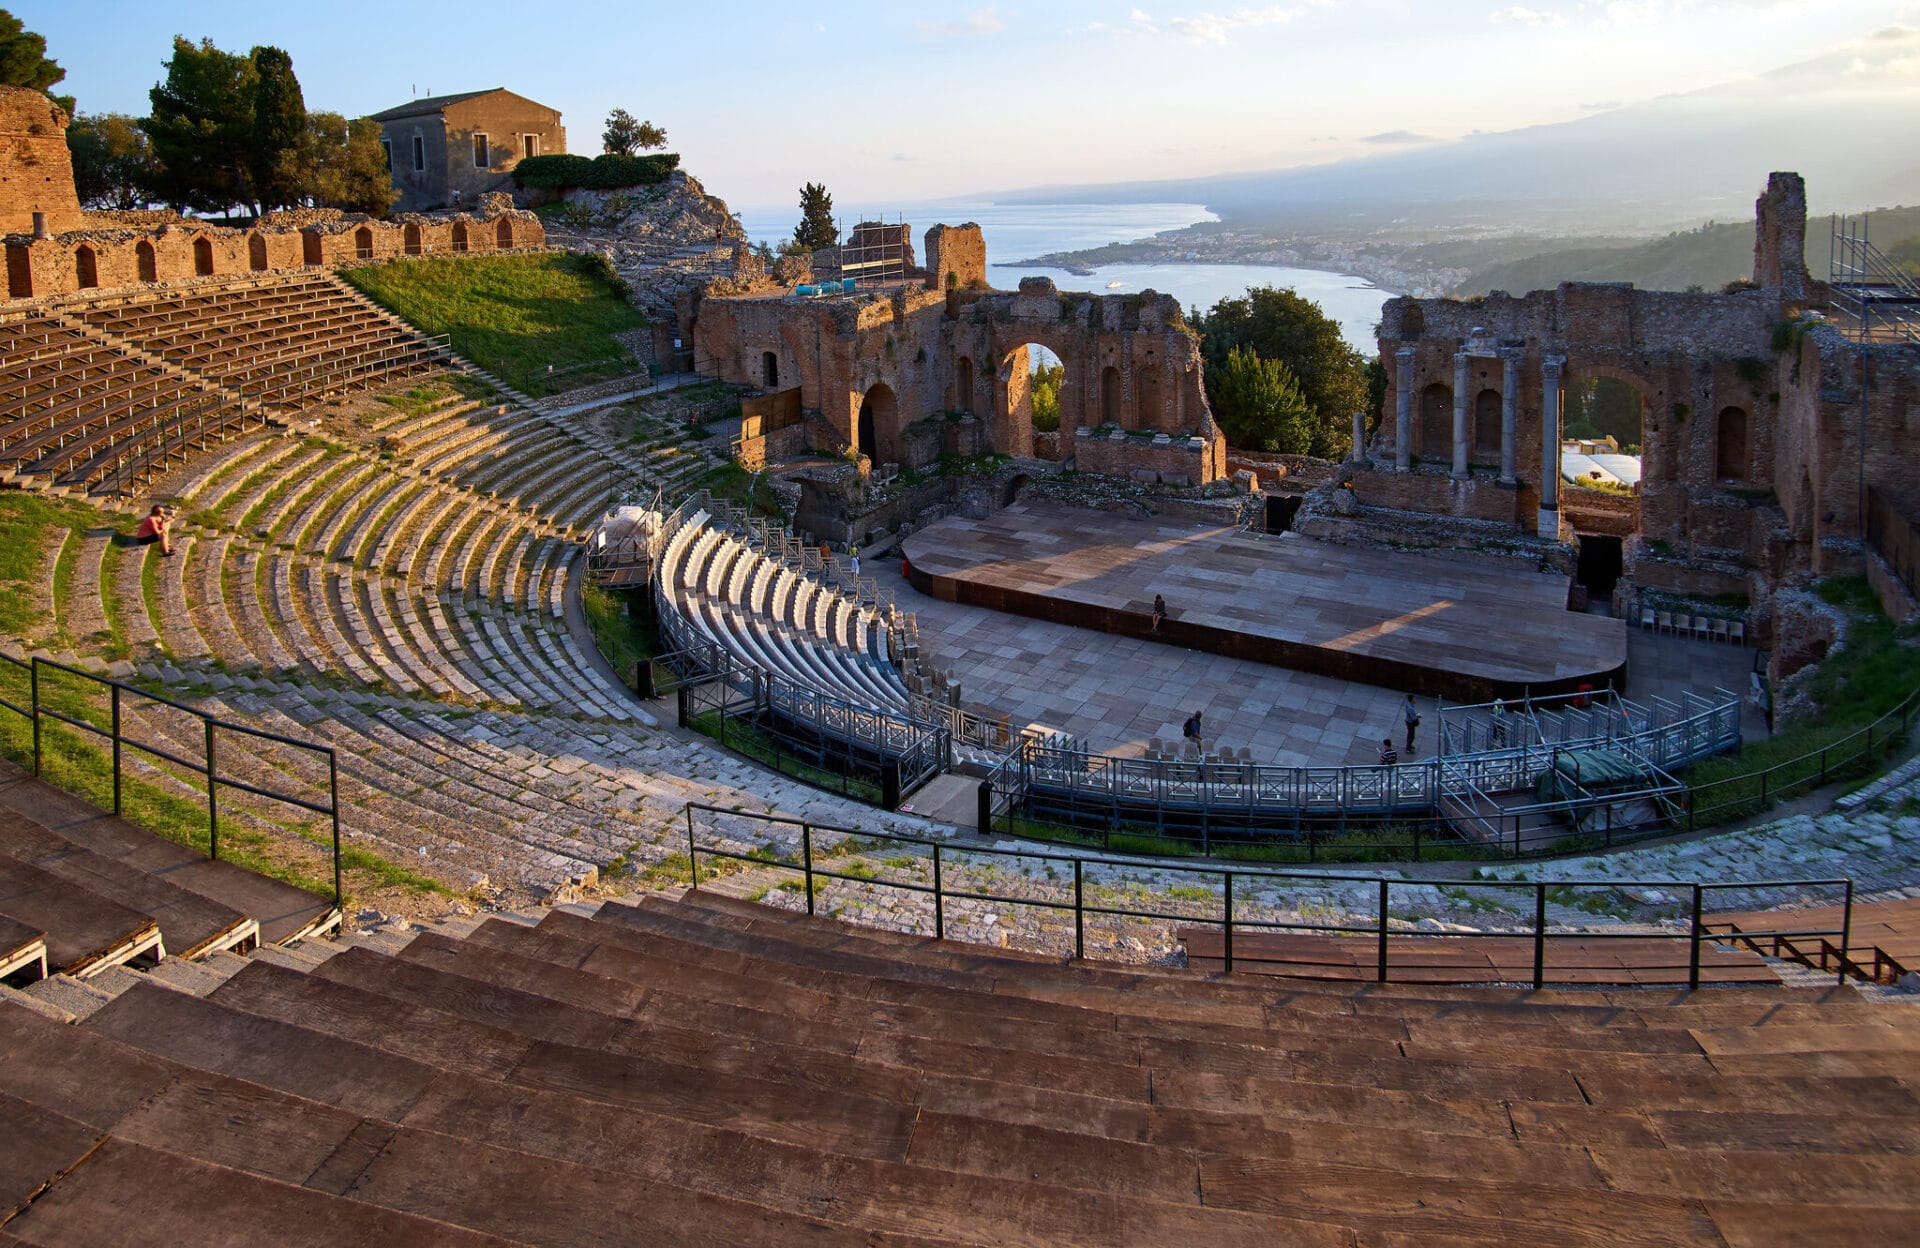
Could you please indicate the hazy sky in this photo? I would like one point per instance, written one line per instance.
(890, 103)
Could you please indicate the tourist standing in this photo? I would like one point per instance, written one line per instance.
(1193, 729)
(1499, 723)
(1411, 714)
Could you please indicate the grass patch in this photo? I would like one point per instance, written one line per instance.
(115, 646)
(1877, 670)
(28, 525)
(734, 484)
(513, 315)
(623, 638)
(749, 740)
(418, 399)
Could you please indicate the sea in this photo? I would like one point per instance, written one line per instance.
(1014, 232)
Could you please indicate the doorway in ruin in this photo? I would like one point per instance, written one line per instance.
(1033, 376)
(769, 370)
(1109, 395)
(1146, 397)
(459, 236)
(202, 258)
(19, 272)
(1600, 435)
(86, 269)
(1486, 426)
(257, 252)
(503, 234)
(1601, 564)
(1730, 445)
(1281, 510)
(963, 385)
(144, 261)
(312, 250)
(879, 414)
(363, 243)
(1013, 488)
(410, 238)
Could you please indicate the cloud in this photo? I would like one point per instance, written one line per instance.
(1395, 138)
(979, 22)
(1520, 15)
(1215, 27)
(1601, 106)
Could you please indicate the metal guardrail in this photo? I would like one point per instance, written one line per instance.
(37, 712)
(1811, 769)
(1234, 882)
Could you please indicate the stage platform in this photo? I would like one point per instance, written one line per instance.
(1454, 627)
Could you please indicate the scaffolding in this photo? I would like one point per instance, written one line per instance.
(1879, 300)
(877, 253)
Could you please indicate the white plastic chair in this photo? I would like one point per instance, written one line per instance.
(1720, 630)
(1663, 622)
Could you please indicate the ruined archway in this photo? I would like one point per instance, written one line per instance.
(145, 263)
(1730, 445)
(257, 252)
(1110, 395)
(1147, 399)
(963, 385)
(410, 238)
(770, 370)
(86, 267)
(459, 241)
(1486, 425)
(19, 272)
(312, 250)
(202, 257)
(877, 428)
(1433, 430)
(503, 233)
(363, 243)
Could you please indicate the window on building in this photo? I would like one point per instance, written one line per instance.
(482, 155)
(387, 147)
(419, 154)
(529, 145)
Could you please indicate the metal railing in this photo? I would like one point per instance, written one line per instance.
(1756, 791)
(37, 711)
(1223, 889)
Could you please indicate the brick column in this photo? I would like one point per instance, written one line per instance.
(1462, 433)
(1509, 412)
(1403, 411)
(1550, 445)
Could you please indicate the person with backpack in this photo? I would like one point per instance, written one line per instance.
(1191, 729)
(1412, 715)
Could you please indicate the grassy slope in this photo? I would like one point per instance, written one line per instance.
(1711, 257)
(27, 525)
(512, 315)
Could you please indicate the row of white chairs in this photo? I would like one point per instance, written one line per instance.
(1699, 627)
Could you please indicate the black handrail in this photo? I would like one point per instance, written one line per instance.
(1696, 933)
(1817, 764)
(207, 768)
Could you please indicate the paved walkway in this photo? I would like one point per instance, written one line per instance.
(1115, 693)
(671, 381)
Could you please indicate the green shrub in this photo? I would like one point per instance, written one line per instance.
(601, 173)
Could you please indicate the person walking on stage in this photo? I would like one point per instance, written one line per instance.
(1411, 714)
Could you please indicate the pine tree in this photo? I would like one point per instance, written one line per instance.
(625, 135)
(24, 63)
(202, 127)
(816, 228)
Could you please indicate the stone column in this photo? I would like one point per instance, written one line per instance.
(1359, 455)
(1462, 433)
(1550, 445)
(1403, 411)
(1509, 412)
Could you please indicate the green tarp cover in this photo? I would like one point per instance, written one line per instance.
(1596, 771)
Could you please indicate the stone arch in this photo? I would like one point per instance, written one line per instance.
(770, 369)
(1433, 423)
(146, 264)
(1146, 397)
(1486, 422)
(963, 385)
(503, 233)
(256, 251)
(1730, 445)
(1110, 395)
(1011, 491)
(363, 243)
(203, 256)
(312, 250)
(460, 236)
(410, 238)
(876, 430)
(86, 267)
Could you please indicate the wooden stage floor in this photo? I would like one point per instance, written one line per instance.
(1452, 626)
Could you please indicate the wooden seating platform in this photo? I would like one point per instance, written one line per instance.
(1587, 958)
(713, 1071)
(1883, 944)
(103, 892)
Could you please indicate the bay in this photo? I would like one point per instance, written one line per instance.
(1014, 232)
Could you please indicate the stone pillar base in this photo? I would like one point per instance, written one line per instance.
(1550, 523)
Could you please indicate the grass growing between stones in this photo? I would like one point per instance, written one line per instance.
(29, 524)
(1872, 675)
(513, 315)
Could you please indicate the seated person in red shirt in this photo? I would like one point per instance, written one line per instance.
(153, 528)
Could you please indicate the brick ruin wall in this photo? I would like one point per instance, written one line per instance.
(911, 353)
(36, 170)
(956, 258)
